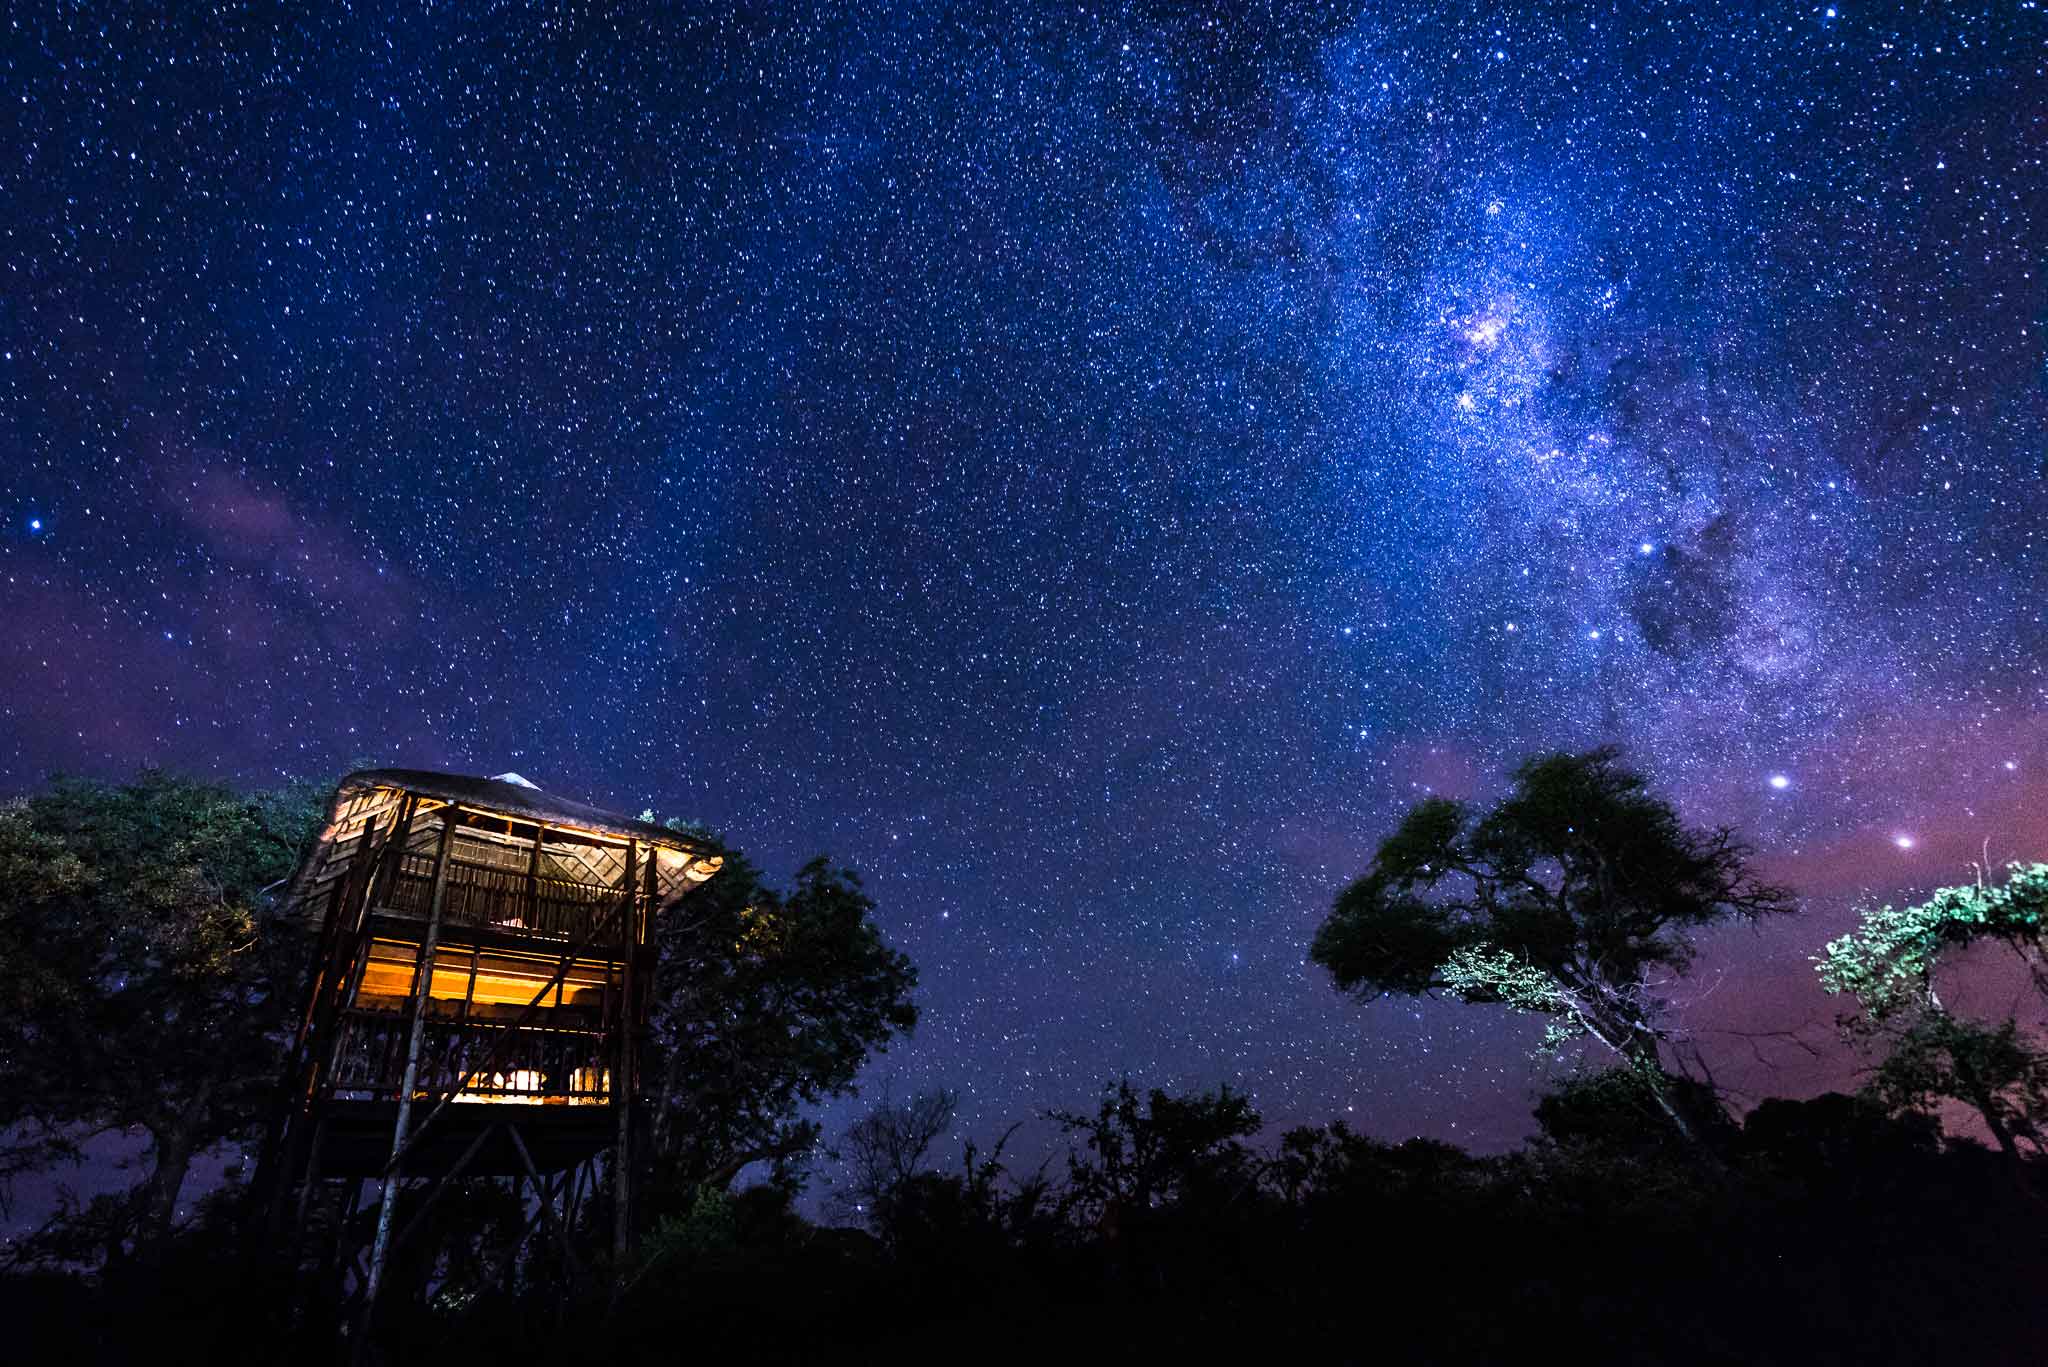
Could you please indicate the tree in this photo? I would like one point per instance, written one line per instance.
(765, 1002)
(1888, 965)
(1139, 1155)
(1574, 898)
(146, 979)
(886, 1148)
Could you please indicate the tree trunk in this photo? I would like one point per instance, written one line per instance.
(1646, 1064)
(173, 1160)
(175, 1139)
(1987, 1106)
(1652, 1071)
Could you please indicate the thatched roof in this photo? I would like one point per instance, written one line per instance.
(521, 801)
(681, 861)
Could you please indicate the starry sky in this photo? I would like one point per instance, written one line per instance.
(1088, 467)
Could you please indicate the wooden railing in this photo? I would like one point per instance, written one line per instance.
(489, 895)
(552, 1064)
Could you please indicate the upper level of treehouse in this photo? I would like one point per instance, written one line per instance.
(513, 923)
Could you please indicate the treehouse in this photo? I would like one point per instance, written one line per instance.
(478, 988)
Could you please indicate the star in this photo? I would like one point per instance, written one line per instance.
(786, 462)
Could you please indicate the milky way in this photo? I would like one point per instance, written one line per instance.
(1086, 468)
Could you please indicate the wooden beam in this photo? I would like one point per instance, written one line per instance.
(569, 957)
(622, 1073)
(540, 835)
(547, 1206)
(423, 979)
(419, 1218)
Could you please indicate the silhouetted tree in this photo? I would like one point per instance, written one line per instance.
(886, 1148)
(1839, 1138)
(1139, 1153)
(1574, 898)
(765, 1002)
(146, 982)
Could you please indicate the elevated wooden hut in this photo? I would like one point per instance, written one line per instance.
(478, 990)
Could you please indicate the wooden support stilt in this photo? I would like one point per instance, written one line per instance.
(622, 1072)
(423, 983)
(419, 1218)
(547, 1206)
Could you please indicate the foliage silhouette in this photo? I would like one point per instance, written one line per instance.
(147, 980)
(1573, 898)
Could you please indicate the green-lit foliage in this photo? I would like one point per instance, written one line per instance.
(1888, 964)
(1570, 899)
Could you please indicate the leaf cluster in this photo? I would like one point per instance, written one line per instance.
(1579, 875)
(1888, 966)
(1888, 962)
(766, 1002)
(1137, 1153)
(141, 956)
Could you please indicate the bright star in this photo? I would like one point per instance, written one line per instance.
(1780, 781)
(1466, 403)
(1904, 842)
(1646, 548)
(35, 524)
(1485, 332)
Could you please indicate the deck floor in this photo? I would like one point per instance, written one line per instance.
(358, 1138)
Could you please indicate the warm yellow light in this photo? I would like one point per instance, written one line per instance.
(501, 980)
(522, 1087)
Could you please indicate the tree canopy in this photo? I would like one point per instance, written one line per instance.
(145, 983)
(766, 1002)
(1574, 897)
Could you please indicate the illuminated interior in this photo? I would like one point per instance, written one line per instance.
(481, 977)
(525, 1002)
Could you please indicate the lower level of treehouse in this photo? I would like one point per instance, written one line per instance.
(484, 1054)
(356, 1139)
(504, 1021)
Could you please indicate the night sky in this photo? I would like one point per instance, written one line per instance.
(1088, 468)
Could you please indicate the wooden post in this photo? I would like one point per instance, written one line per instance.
(359, 948)
(622, 1073)
(393, 854)
(540, 834)
(423, 985)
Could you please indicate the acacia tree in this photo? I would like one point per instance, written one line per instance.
(765, 1002)
(1574, 898)
(145, 977)
(1888, 965)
